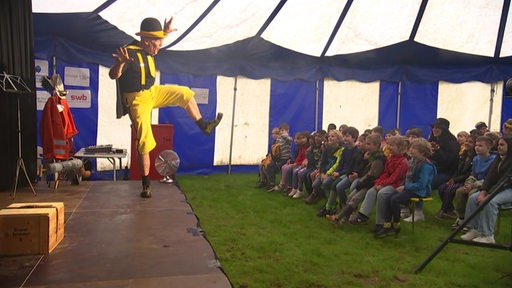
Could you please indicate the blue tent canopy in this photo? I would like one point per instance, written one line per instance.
(90, 38)
(300, 52)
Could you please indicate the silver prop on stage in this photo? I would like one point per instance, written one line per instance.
(63, 166)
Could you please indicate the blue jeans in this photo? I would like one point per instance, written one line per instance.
(392, 204)
(318, 184)
(485, 221)
(341, 187)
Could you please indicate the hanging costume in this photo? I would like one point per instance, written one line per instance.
(57, 129)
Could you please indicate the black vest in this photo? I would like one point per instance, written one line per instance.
(140, 73)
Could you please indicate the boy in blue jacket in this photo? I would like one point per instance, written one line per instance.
(418, 183)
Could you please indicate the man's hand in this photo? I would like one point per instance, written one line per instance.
(481, 197)
(122, 55)
(168, 26)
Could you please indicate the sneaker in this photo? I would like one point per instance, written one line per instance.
(325, 211)
(285, 190)
(293, 192)
(273, 188)
(457, 223)
(376, 228)
(386, 231)
(313, 197)
(450, 214)
(260, 185)
(299, 194)
(358, 220)
(146, 192)
(485, 239)
(210, 125)
(446, 215)
(404, 212)
(472, 234)
(166, 180)
(335, 219)
(418, 216)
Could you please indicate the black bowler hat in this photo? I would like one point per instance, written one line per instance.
(151, 27)
(480, 125)
(441, 123)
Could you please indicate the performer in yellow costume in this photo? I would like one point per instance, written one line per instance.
(135, 72)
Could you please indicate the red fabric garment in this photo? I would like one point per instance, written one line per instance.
(395, 170)
(301, 156)
(57, 129)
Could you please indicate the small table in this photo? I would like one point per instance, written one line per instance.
(111, 157)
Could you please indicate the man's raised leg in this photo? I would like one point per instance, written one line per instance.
(194, 113)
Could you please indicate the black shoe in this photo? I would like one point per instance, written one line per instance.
(146, 192)
(376, 228)
(313, 197)
(360, 219)
(324, 212)
(387, 231)
(210, 125)
(260, 185)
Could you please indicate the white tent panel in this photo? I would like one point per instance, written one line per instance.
(68, 6)
(245, 19)
(110, 130)
(185, 12)
(506, 48)
(467, 103)
(250, 125)
(351, 102)
(374, 25)
(304, 25)
(472, 29)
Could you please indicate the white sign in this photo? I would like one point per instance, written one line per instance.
(41, 98)
(201, 95)
(41, 68)
(75, 76)
(79, 98)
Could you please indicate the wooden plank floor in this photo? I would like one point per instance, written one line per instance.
(114, 238)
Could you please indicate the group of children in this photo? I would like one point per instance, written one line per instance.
(355, 173)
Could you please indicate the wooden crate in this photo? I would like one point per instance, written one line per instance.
(31, 228)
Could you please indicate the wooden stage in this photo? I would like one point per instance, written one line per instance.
(114, 238)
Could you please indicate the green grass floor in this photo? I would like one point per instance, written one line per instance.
(268, 240)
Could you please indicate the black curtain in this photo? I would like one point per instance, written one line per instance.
(17, 59)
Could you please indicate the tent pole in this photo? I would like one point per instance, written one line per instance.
(316, 106)
(491, 104)
(232, 125)
(54, 65)
(398, 104)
